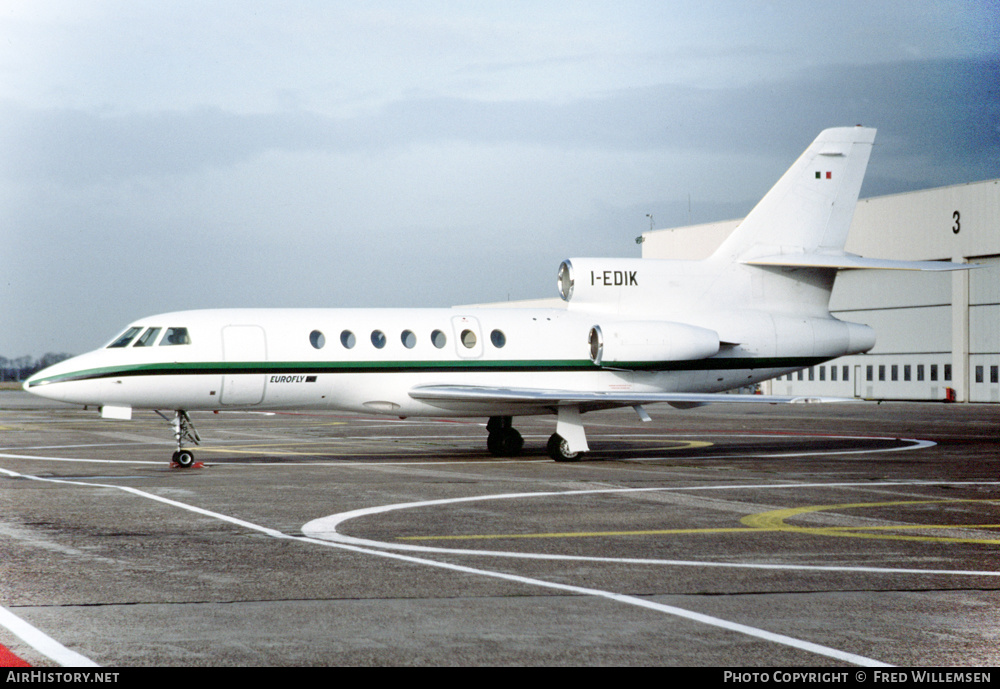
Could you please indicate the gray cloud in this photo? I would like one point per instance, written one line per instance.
(109, 217)
(947, 110)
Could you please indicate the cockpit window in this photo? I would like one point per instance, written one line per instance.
(176, 336)
(148, 338)
(125, 338)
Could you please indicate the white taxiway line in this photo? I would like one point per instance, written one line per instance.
(42, 642)
(621, 598)
(916, 445)
(325, 528)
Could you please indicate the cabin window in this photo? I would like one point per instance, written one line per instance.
(439, 339)
(125, 338)
(498, 338)
(176, 336)
(347, 339)
(148, 338)
(468, 339)
(409, 339)
(934, 372)
(317, 339)
(378, 339)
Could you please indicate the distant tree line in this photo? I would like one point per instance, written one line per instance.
(24, 367)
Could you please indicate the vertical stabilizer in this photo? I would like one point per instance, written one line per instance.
(810, 209)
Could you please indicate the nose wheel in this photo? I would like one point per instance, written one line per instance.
(183, 458)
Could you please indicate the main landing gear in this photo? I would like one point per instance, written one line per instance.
(184, 430)
(558, 449)
(505, 441)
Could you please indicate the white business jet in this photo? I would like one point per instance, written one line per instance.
(635, 332)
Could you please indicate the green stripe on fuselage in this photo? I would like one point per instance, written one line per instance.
(478, 366)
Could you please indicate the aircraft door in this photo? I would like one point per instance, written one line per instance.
(468, 337)
(244, 346)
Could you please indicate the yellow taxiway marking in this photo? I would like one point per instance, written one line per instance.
(577, 534)
(775, 521)
(770, 522)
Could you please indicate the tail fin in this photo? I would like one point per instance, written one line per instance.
(810, 209)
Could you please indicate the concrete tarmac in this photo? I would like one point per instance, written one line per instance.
(725, 536)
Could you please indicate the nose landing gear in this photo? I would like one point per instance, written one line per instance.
(184, 430)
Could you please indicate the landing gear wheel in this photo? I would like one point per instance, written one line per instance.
(505, 443)
(558, 449)
(183, 458)
(503, 439)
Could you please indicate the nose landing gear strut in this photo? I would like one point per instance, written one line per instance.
(184, 430)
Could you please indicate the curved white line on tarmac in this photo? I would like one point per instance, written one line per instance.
(621, 598)
(325, 528)
(916, 445)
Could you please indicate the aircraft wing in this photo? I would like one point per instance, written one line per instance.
(852, 262)
(463, 396)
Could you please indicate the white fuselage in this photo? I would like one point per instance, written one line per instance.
(300, 359)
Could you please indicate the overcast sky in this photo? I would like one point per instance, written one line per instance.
(157, 156)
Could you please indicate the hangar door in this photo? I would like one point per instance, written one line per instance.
(246, 345)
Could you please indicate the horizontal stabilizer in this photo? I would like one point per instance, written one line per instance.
(853, 262)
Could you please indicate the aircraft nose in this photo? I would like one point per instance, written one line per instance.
(37, 383)
(46, 383)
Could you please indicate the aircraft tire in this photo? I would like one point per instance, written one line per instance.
(505, 443)
(184, 459)
(558, 449)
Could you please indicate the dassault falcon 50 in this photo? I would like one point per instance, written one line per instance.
(634, 332)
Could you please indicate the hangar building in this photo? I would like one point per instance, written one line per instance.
(938, 333)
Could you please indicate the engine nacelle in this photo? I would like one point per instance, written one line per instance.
(637, 342)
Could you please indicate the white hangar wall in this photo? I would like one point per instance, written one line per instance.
(937, 332)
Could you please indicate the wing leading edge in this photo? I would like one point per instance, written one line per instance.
(462, 396)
